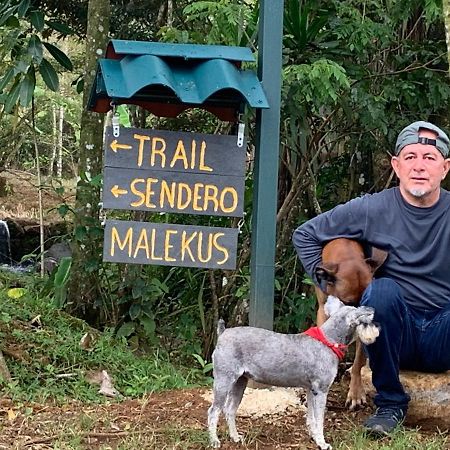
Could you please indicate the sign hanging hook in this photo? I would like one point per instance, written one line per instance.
(241, 223)
(101, 214)
(241, 130)
(115, 121)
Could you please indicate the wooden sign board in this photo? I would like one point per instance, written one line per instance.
(170, 244)
(172, 171)
(174, 151)
(178, 192)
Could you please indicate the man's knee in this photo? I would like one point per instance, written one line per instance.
(383, 294)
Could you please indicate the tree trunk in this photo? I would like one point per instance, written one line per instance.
(446, 9)
(55, 143)
(87, 245)
(60, 143)
(169, 13)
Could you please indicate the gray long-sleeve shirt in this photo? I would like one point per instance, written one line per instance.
(416, 239)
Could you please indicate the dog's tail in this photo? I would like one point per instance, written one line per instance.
(220, 327)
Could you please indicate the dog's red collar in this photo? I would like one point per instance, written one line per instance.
(316, 333)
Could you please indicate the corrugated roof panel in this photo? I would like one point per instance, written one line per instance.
(193, 83)
(188, 51)
(166, 79)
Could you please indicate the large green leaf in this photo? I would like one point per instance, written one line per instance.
(12, 22)
(148, 324)
(49, 75)
(35, 49)
(6, 78)
(63, 272)
(60, 27)
(135, 311)
(27, 86)
(37, 20)
(60, 282)
(12, 97)
(6, 13)
(23, 7)
(126, 329)
(59, 56)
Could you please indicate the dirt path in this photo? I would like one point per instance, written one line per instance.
(167, 420)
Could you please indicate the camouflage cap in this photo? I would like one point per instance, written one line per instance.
(410, 135)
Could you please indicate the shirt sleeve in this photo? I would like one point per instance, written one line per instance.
(344, 221)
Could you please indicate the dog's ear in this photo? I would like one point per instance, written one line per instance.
(332, 305)
(325, 274)
(377, 259)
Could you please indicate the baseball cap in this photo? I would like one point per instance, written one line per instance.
(410, 135)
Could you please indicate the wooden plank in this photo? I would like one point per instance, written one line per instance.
(174, 151)
(186, 193)
(170, 244)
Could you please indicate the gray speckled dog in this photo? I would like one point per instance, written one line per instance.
(288, 360)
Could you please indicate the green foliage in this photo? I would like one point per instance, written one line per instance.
(321, 82)
(354, 73)
(228, 22)
(400, 439)
(48, 341)
(60, 280)
(23, 48)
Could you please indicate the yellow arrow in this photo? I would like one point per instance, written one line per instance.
(116, 146)
(116, 191)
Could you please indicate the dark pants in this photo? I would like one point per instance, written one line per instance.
(409, 339)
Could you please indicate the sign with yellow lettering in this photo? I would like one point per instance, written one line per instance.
(172, 192)
(172, 171)
(170, 244)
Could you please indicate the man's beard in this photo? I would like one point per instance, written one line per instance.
(418, 193)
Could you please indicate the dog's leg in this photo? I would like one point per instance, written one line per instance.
(356, 395)
(321, 300)
(232, 404)
(220, 397)
(310, 419)
(318, 404)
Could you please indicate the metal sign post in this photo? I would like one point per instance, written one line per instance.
(262, 264)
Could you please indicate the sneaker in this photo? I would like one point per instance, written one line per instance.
(385, 420)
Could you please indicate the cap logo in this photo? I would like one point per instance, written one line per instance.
(426, 141)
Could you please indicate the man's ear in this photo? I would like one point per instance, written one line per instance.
(377, 259)
(394, 164)
(446, 167)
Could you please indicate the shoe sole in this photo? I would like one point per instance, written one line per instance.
(377, 431)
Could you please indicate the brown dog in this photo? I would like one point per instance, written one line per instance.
(345, 273)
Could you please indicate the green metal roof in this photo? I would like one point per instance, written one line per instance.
(188, 51)
(156, 75)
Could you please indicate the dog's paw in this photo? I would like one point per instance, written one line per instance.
(355, 399)
(237, 437)
(214, 443)
(324, 446)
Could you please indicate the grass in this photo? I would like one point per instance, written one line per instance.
(48, 362)
(401, 439)
(46, 343)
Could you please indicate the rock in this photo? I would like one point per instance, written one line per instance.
(54, 255)
(430, 396)
(58, 251)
